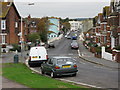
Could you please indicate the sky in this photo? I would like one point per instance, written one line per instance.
(61, 8)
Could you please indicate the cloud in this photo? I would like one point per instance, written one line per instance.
(61, 9)
(62, 0)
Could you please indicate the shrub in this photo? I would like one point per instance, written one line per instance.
(108, 49)
(16, 47)
(117, 47)
(98, 49)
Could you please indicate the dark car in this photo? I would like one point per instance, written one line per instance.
(74, 45)
(58, 66)
(51, 44)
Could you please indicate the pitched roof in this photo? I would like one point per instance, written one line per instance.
(5, 8)
(106, 9)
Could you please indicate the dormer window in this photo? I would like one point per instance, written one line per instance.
(3, 24)
(33, 24)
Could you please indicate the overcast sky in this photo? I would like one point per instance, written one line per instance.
(61, 8)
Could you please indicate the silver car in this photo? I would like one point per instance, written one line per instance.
(58, 66)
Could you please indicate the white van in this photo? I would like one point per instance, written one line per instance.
(37, 55)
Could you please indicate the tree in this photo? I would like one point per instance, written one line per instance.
(33, 37)
(43, 28)
(65, 23)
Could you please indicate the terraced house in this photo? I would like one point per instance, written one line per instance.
(9, 23)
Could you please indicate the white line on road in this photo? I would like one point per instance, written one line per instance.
(79, 52)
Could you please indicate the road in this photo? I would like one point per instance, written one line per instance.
(88, 73)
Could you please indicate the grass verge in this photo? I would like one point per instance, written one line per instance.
(23, 75)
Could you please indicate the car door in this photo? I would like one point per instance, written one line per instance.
(50, 66)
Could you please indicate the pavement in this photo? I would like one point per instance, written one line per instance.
(88, 56)
(6, 83)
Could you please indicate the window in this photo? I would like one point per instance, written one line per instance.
(104, 26)
(3, 24)
(50, 61)
(16, 24)
(105, 38)
(119, 40)
(3, 39)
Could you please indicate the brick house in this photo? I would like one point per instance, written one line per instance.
(105, 28)
(114, 23)
(102, 29)
(30, 25)
(9, 23)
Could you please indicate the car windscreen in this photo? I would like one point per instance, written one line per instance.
(65, 61)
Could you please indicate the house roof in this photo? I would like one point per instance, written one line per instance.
(5, 9)
(107, 10)
(29, 20)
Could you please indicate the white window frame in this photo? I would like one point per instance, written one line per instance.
(3, 39)
(3, 24)
(16, 24)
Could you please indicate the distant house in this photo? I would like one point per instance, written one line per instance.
(75, 25)
(9, 23)
(30, 26)
(53, 28)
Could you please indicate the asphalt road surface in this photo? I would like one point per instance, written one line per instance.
(88, 73)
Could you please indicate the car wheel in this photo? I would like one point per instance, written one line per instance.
(30, 64)
(42, 72)
(74, 74)
(52, 75)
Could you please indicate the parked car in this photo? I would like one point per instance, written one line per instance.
(65, 36)
(51, 44)
(58, 66)
(68, 37)
(74, 37)
(74, 45)
(37, 55)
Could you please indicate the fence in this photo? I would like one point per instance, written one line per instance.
(106, 55)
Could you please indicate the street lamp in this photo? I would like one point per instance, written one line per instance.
(21, 36)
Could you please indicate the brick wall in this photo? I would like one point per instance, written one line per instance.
(11, 18)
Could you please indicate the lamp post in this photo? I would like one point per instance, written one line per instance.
(21, 36)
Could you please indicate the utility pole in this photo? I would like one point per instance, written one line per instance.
(21, 37)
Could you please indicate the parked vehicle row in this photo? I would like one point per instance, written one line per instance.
(55, 66)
